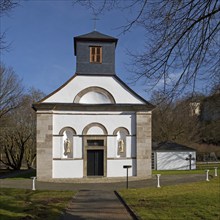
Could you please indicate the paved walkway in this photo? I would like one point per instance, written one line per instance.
(164, 181)
(95, 204)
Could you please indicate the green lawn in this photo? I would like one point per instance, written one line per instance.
(27, 204)
(193, 201)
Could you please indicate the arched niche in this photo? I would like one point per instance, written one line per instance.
(69, 129)
(122, 129)
(94, 95)
(66, 144)
(121, 134)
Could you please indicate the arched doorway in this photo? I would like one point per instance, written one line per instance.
(95, 150)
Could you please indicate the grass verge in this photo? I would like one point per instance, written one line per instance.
(27, 204)
(186, 201)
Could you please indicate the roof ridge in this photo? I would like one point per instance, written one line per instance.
(95, 34)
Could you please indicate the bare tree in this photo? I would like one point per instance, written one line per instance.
(182, 40)
(15, 135)
(187, 120)
(13, 144)
(6, 6)
(174, 121)
(18, 134)
(210, 119)
(10, 90)
(30, 150)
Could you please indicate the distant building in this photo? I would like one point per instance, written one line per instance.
(172, 156)
(93, 124)
(195, 108)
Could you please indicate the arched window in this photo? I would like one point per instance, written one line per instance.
(121, 134)
(94, 95)
(67, 142)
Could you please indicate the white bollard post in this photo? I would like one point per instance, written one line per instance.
(33, 182)
(216, 172)
(207, 175)
(158, 180)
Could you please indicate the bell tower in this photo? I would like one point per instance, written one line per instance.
(95, 54)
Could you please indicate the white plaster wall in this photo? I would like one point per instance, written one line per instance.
(67, 168)
(115, 167)
(128, 146)
(78, 83)
(174, 160)
(79, 121)
(111, 147)
(77, 147)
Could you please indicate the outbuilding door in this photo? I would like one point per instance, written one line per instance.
(95, 162)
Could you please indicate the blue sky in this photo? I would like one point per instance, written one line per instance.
(41, 36)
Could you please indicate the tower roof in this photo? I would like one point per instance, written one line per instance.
(94, 36)
(170, 146)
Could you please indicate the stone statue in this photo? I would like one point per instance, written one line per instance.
(121, 146)
(67, 149)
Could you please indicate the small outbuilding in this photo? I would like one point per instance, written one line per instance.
(173, 156)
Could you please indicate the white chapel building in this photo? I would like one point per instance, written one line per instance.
(94, 124)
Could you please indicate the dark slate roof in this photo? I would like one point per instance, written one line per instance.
(94, 36)
(170, 146)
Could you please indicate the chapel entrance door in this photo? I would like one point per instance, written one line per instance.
(95, 162)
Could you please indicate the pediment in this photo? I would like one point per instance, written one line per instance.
(95, 90)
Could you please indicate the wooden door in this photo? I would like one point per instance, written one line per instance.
(95, 162)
